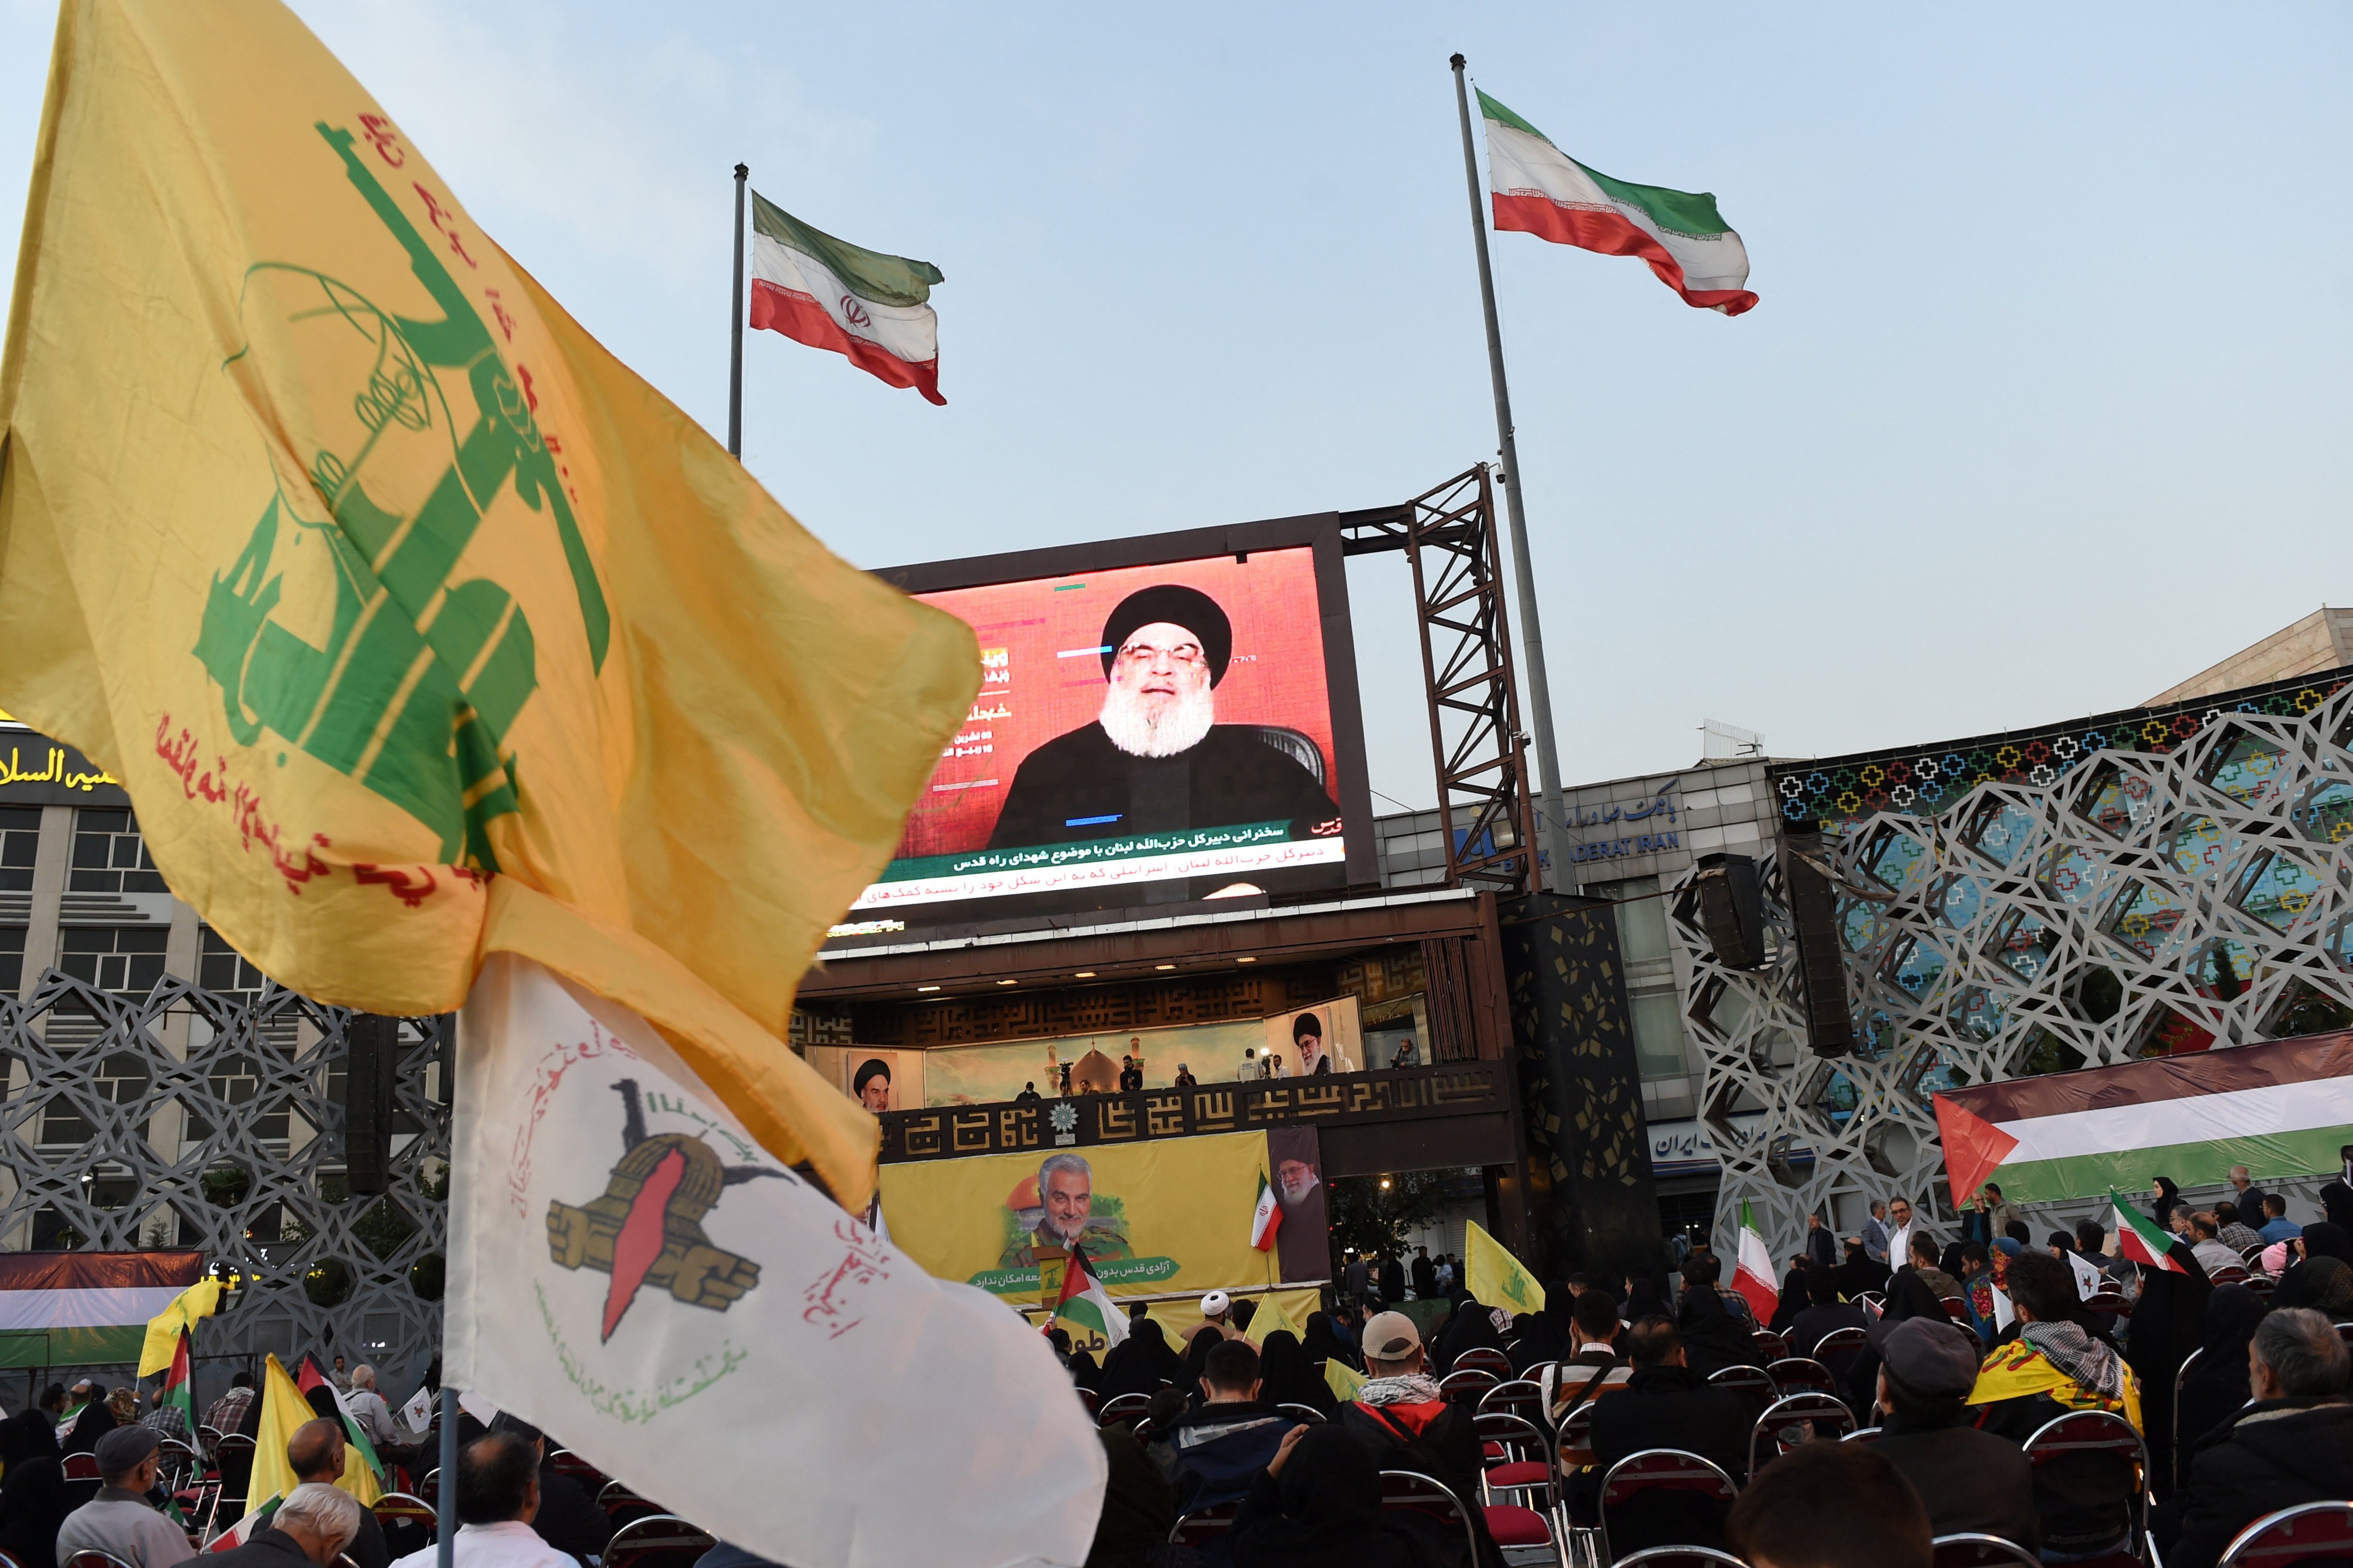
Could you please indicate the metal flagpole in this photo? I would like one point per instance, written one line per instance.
(1531, 630)
(735, 365)
(444, 1499)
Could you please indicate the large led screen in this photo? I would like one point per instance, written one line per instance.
(1147, 731)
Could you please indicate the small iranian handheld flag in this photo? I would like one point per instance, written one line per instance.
(1085, 1302)
(1538, 189)
(1752, 1272)
(2140, 1239)
(831, 294)
(177, 1392)
(1267, 1217)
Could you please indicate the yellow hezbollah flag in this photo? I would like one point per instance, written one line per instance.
(283, 1408)
(416, 626)
(201, 1299)
(1496, 1279)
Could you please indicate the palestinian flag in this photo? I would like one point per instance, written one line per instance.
(1085, 1302)
(2140, 1239)
(1267, 1217)
(2282, 1109)
(354, 1433)
(178, 1391)
(831, 294)
(1538, 189)
(1752, 1270)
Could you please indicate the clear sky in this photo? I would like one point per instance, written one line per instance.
(2045, 407)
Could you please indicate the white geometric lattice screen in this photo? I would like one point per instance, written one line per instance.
(213, 1120)
(2143, 883)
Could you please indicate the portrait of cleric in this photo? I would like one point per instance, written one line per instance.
(1155, 760)
(1301, 1248)
(1063, 1215)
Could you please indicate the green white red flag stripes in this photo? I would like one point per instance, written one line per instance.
(1538, 189)
(1267, 1217)
(1752, 1270)
(831, 294)
(179, 1390)
(2282, 1109)
(2140, 1239)
(1085, 1302)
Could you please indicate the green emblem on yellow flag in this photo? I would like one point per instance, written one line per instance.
(417, 627)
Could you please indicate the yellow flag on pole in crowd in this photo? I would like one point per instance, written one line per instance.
(201, 1299)
(1496, 1279)
(416, 626)
(283, 1409)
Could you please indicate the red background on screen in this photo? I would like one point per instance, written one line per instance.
(1276, 675)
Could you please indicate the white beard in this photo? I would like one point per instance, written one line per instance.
(1175, 725)
(1293, 1196)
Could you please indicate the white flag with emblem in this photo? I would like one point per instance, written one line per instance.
(629, 1268)
(418, 1411)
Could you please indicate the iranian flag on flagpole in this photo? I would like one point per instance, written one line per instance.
(178, 1392)
(1085, 1302)
(1752, 1272)
(831, 294)
(2140, 1239)
(1538, 189)
(1267, 1217)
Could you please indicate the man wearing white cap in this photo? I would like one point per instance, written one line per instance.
(1400, 1416)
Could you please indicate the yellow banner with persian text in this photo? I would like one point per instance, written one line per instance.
(415, 624)
(1173, 1213)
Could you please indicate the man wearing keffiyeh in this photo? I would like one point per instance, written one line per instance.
(2055, 1366)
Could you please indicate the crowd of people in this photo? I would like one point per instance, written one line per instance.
(1968, 1349)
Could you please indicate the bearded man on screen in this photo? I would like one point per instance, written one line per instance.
(1155, 760)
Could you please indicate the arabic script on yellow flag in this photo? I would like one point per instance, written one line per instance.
(1496, 1279)
(415, 625)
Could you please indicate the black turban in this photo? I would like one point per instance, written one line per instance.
(1308, 1024)
(869, 1069)
(1179, 606)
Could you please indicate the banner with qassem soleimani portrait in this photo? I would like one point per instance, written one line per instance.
(1173, 1213)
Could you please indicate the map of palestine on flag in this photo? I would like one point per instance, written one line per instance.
(1538, 189)
(831, 294)
(448, 637)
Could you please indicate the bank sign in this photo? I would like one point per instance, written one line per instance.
(1653, 840)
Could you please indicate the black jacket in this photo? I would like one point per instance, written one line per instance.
(1392, 1280)
(2082, 1499)
(1446, 1449)
(1968, 1479)
(568, 1518)
(1079, 787)
(2271, 1455)
(267, 1548)
(1425, 1276)
(1670, 1407)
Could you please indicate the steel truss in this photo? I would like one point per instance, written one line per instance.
(1448, 535)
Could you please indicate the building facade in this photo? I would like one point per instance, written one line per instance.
(2139, 884)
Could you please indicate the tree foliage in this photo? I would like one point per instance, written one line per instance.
(1373, 1222)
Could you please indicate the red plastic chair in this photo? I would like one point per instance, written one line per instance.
(1410, 1491)
(1799, 1419)
(1770, 1345)
(1484, 1359)
(2108, 1302)
(94, 1558)
(1679, 1557)
(1087, 1397)
(1659, 1470)
(1975, 1550)
(1751, 1380)
(1202, 1526)
(2322, 1530)
(1801, 1374)
(1473, 1380)
(1839, 1341)
(568, 1463)
(409, 1522)
(82, 1480)
(1958, 1310)
(1125, 1411)
(2181, 1450)
(626, 1508)
(2095, 1431)
(1520, 1397)
(1519, 1458)
(2228, 1276)
(2263, 1285)
(2345, 1333)
(657, 1541)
